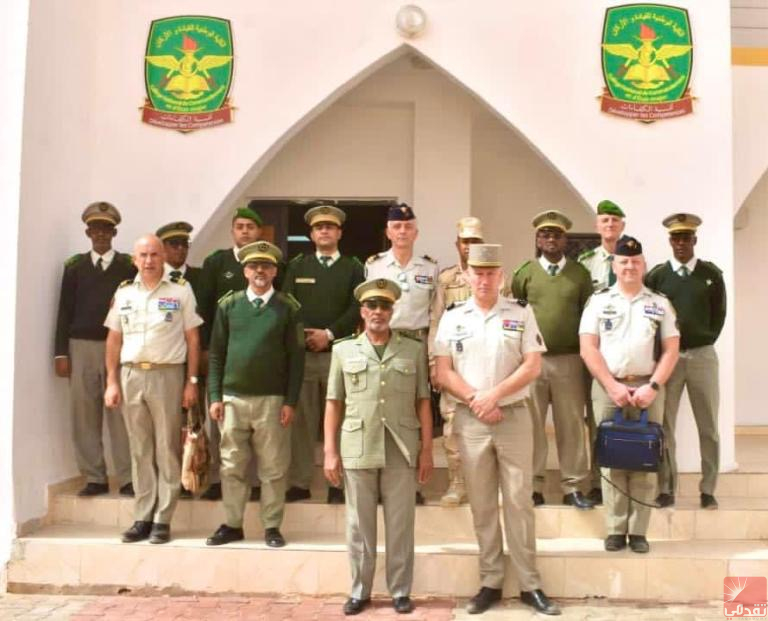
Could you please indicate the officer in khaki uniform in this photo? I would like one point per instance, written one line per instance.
(452, 291)
(255, 368)
(697, 291)
(378, 395)
(609, 224)
(620, 330)
(153, 331)
(488, 352)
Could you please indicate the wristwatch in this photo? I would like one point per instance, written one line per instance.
(654, 385)
(193, 379)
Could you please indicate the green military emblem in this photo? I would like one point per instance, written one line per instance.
(188, 72)
(647, 56)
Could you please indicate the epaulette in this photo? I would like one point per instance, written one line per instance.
(446, 269)
(227, 295)
(521, 266)
(661, 293)
(292, 301)
(603, 290)
(349, 337)
(214, 253)
(125, 283)
(655, 269)
(179, 281)
(297, 258)
(521, 302)
(74, 259)
(373, 257)
(711, 265)
(456, 304)
(586, 254)
(428, 258)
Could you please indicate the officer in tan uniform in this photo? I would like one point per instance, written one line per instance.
(619, 331)
(452, 291)
(153, 331)
(379, 396)
(488, 352)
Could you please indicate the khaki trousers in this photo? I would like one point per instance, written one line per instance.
(622, 516)
(396, 483)
(251, 431)
(696, 370)
(306, 424)
(87, 382)
(152, 413)
(214, 447)
(450, 443)
(561, 383)
(594, 469)
(499, 457)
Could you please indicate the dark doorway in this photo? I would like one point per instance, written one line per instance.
(363, 229)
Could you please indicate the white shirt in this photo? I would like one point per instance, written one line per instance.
(153, 321)
(334, 257)
(599, 266)
(627, 328)
(676, 265)
(545, 264)
(106, 258)
(265, 297)
(417, 281)
(169, 268)
(485, 349)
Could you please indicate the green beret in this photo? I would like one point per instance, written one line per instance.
(609, 208)
(249, 214)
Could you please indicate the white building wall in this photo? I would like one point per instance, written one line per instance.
(536, 64)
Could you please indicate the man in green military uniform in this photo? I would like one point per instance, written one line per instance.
(87, 287)
(378, 387)
(222, 273)
(176, 238)
(697, 291)
(609, 224)
(557, 288)
(620, 330)
(256, 362)
(324, 283)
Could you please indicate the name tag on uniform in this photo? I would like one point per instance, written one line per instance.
(653, 310)
(420, 279)
(515, 325)
(168, 304)
(305, 281)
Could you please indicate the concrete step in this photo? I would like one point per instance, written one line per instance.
(90, 559)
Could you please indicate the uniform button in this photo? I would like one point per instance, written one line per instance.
(383, 383)
(381, 400)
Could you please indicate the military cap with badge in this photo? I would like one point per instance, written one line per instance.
(260, 252)
(484, 255)
(628, 247)
(400, 212)
(325, 214)
(174, 230)
(552, 219)
(470, 228)
(681, 223)
(377, 289)
(101, 211)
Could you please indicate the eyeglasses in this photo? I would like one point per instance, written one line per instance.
(374, 304)
(402, 280)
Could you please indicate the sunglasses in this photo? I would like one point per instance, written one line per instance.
(178, 243)
(374, 304)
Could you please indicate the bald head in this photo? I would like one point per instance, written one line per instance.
(149, 257)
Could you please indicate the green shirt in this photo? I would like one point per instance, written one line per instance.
(326, 294)
(256, 352)
(557, 301)
(698, 298)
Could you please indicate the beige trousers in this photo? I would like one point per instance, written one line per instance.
(499, 457)
(152, 413)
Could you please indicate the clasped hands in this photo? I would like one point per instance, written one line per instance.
(636, 396)
(484, 405)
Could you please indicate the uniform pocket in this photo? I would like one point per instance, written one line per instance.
(410, 435)
(404, 376)
(352, 438)
(355, 377)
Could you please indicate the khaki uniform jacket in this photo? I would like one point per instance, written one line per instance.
(380, 397)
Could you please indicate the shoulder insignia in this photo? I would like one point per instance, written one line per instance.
(656, 268)
(292, 301)
(456, 304)
(521, 266)
(226, 296)
(603, 290)
(297, 258)
(179, 281)
(373, 257)
(659, 293)
(447, 269)
(125, 283)
(74, 259)
(586, 254)
(344, 339)
(428, 258)
(711, 266)
(521, 302)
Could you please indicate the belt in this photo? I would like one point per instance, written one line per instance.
(150, 366)
(418, 333)
(633, 378)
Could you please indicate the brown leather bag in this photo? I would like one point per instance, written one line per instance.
(195, 455)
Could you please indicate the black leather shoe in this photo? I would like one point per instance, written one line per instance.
(274, 538)
(484, 599)
(335, 496)
(355, 606)
(538, 600)
(538, 499)
(708, 501)
(577, 499)
(255, 494)
(614, 543)
(213, 492)
(403, 605)
(295, 494)
(639, 544)
(225, 534)
(161, 533)
(138, 532)
(596, 496)
(665, 500)
(94, 489)
(185, 493)
(127, 490)
(419, 498)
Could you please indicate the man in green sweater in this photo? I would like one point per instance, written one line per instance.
(324, 283)
(697, 291)
(558, 289)
(255, 368)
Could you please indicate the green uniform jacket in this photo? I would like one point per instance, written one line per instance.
(256, 352)
(192, 276)
(326, 294)
(380, 396)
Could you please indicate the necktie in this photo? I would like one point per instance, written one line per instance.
(100, 264)
(611, 273)
(552, 270)
(175, 274)
(325, 260)
(257, 302)
(684, 271)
